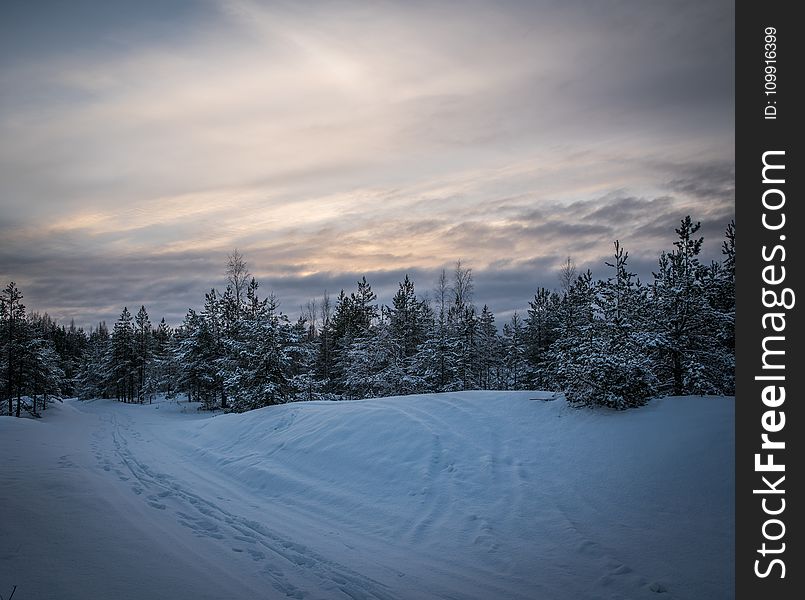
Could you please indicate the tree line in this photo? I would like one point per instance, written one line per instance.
(615, 342)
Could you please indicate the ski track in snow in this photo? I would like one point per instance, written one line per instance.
(454, 496)
(208, 519)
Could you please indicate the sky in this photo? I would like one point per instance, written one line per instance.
(141, 142)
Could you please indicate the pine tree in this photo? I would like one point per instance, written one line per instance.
(541, 330)
(719, 286)
(686, 324)
(218, 315)
(301, 355)
(162, 375)
(324, 345)
(489, 350)
(258, 370)
(351, 330)
(435, 359)
(122, 359)
(406, 319)
(70, 344)
(458, 336)
(408, 323)
(196, 356)
(514, 352)
(375, 363)
(93, 377)
(617, 370)
(430, 365)
(39, 370)
(466, 338)
(12, 323)
(565, 360)
(142, 346)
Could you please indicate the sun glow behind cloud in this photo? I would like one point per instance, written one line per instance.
(337, 139)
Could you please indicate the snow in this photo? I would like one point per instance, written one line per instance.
(460, 495)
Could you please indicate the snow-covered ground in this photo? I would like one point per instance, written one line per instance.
(487, 495)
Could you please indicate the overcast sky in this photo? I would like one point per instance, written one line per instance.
(140, 142)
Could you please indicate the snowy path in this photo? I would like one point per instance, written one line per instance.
(207, 516)
(473, 495)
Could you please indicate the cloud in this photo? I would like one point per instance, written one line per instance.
(332, 140)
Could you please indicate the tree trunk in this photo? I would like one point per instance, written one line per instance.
(678, 387)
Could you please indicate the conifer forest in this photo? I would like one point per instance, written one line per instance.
(613, 341)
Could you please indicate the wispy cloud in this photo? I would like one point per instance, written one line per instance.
(339, 138)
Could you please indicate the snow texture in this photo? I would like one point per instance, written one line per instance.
(473, 495)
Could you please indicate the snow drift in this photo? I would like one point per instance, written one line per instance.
(461, 495)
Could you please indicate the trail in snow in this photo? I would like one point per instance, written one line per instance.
(208, 517)
(466, 495)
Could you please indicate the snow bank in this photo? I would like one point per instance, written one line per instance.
(463, 495)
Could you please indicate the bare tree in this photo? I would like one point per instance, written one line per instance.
(462, 285)
(441, 292)
(237, 274)
(311, 315)
(325, 310)
(567, 274)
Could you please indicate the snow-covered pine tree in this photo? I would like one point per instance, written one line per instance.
(719, 286)
(162, 375)
(689, 358)
(70, 344)
(142, 347)
(489, 351)
(465, 332)
(408, 321)
(460, 350)
(196, 356)
(121, 358)
(301, 354)
(39, 369)
(565, 362)
(351, 331)
(376, 364)
(92, 380)
(435, 360)
(406, 318)
(12, 324)
(430, 365)
(219, 314)
(616, 368)
(324, 347)
(258, 367)
(541, 330)
(514, 352)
